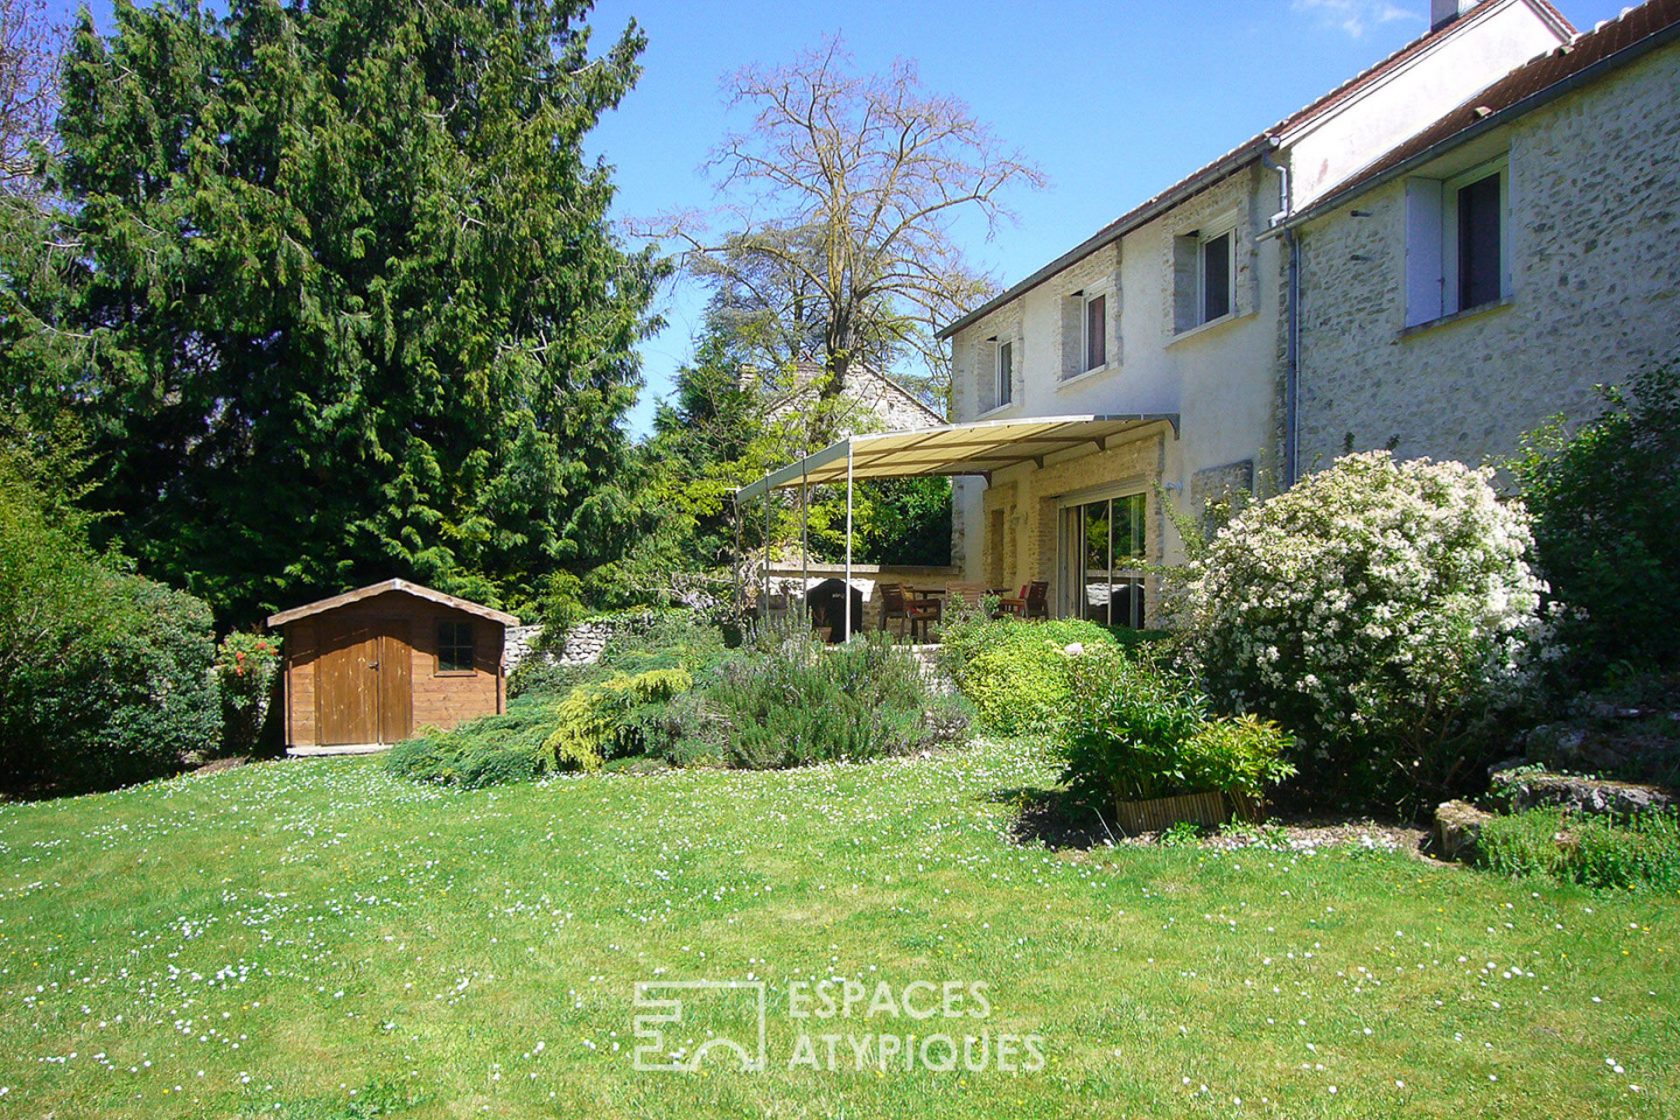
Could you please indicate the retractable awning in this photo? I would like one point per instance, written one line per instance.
(955, 449)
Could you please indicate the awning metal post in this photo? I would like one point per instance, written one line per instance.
(804, 545)
(765, 606)
(848, 634)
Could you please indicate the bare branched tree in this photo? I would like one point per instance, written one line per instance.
(841, 201)
(29, 53)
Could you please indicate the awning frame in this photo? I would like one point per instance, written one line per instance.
(929, 454)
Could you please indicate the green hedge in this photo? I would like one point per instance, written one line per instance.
(1016, 673)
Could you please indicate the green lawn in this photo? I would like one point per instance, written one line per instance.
(315, 939)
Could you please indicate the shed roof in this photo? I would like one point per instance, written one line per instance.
(419, 591)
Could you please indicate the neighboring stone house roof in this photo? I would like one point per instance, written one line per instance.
(896, 407)
(1609, 46)
(1248, 151)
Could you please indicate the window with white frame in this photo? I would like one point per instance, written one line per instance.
(1216, 273)
(1003, 372)
(1095, 321)
(1205, 275)
(1457, 242)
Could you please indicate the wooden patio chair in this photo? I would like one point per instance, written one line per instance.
(915, 613)
(1033, 602)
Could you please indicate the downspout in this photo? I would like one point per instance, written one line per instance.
(1292, 325)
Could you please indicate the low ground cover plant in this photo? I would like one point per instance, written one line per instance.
(669, 690)
(1640, 853)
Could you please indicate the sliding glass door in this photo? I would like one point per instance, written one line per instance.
(1102, 559)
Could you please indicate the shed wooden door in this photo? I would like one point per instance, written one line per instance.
(362, 682)
(396, 700)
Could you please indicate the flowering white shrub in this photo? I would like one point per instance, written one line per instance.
(1378, 608)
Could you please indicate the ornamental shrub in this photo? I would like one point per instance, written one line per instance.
(793, 700)
(1606, 501)
(600, 721)
(1142, 730)
(1016, 672)
(1382, 610)
(247, 666)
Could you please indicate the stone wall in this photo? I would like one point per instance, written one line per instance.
(1594, 250)
(584, 642)
(519, 646)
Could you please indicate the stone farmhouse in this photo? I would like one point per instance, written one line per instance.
(1487, 273)
(1434, 257)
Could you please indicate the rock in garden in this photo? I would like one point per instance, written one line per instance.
(1458, 829)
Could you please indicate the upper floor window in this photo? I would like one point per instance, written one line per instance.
(1480, 269)
(1084, 332)
(1457, 243)
(1215, 272)
(1003, 374)
(1096, 331)
(1205, 275)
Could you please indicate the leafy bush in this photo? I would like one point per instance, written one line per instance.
(596, 722)
(1605, 502)
(247, 666)
(1015, 672)
(538, 676)
(794, 701)
(1640, 853)
(1142, 731)
(1240, 755)
(105, 677)
(1384, 610)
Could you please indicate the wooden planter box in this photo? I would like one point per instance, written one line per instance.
(1160, 813)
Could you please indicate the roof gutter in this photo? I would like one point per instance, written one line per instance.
(1149, 211)
(1527, 105)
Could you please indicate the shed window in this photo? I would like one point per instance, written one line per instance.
(455, 647)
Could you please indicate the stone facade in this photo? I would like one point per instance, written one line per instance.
(1222, 379)
(1594, 284)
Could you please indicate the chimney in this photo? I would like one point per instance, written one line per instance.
(1443, 12)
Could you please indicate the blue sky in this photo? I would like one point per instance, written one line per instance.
(1113, 102)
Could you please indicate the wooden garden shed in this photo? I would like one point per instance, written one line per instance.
(365, 669)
